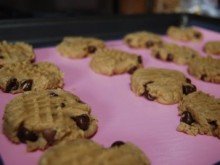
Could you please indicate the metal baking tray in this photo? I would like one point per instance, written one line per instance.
(121, 114)
(48, 31)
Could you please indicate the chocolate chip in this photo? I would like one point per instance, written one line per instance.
(132, 69)
(49, 135)
(203, 77)
(187, 118)
(91, 49)
(146, 92)
(26, 85)
(213, 125)
(188, 89)
(149, 44)
(117, 144)
(140, 61)
(188, 80)
(148, 96)
(53, 94)
(62, 105)
(149, 82)
(82, 121)
(12, 84)
(24, 135)
(1, 57)
(157, 55)
(169, 57)
(128, 40)
(193, 56)
(197, 35)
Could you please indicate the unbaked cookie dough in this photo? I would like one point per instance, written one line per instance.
(88, 152)
(142, 39)
(212, 47)
(174, 53)
(79, 47)
(114, 62)
(200, 114)
(164, 86)
(48, 117)
(186, 34)
(15, 52)
(24, 76)
(206, 69)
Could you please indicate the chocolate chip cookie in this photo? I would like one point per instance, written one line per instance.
(212, 47)
(45, 118)
(142, 39)
(15, 52)
(21, 77)
(79, 47)
(87, 152)
(206, 69)
(174, 53)
(165, 86)
(199, 114)
(113, 62)
(186, 34)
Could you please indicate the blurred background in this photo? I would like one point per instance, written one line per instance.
(10, 9)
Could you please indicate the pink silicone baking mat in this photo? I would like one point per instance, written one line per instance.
(124, 116)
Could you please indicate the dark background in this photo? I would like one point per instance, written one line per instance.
(64, 8)
(59, 8)
(48, 21)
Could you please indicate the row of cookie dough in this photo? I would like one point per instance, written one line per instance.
(145, 39)
(203, 68)
(24, 76)
(104, 61)
(111, 62)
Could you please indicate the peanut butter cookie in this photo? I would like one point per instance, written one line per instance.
(79, 47)
(200, 114)
(165, 86)
(45, 118)
(87, 152)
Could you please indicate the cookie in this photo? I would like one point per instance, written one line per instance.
(200, 114)
(142, 39)
(21, 77)
(15, 52)
(212, 47)
(113, 62)
(173, 53)
(206, 69)
(164, 86)
(45, 118)
(79, 47)
(186, 34)
(122, 153)
(88, 152)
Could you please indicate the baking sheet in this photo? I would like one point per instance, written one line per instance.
(124, 116)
